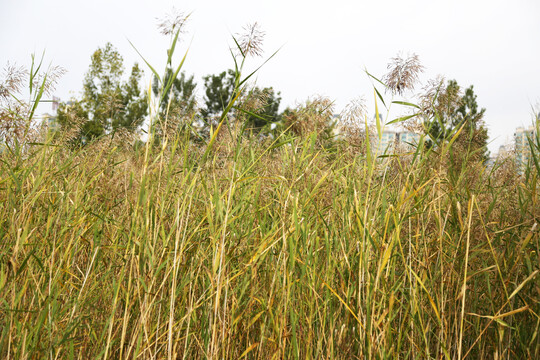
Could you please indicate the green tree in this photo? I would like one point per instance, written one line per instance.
(107, 103)
(475, 131)
(441, 112)
(181, 94)
(450, 111)
(101, 87)
(262, 106)
(218, 92)
(134, 103)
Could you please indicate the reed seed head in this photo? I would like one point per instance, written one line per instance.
(12, 80)
(354, 112)
(173, 22)
(251, 40)
(403, 73)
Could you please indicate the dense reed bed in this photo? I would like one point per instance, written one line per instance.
(264, 251)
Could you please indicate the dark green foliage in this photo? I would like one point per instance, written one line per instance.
(452, 110)
(181, 95)
(108, 103)
(441, 123)
(475, 128)
(218, 92)
(134, 103)
(264, 104)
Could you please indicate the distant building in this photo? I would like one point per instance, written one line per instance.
(408, 140)
(503, 151)
(522, 148)
(388, 142)
(394, 142)
(503, 154)
(50, 122)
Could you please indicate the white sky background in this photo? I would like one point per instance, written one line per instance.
(326, 45)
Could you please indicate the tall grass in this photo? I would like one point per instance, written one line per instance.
(263, 253)
(251, 249)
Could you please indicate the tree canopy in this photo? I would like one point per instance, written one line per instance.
(181, 95)
(218, 91)
(453, 109)
(108, 103)
(261, 107)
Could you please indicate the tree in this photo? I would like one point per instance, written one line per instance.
(441, 112)
(218, 93)
(451, 110)
(177, 105)
(475, 129)
(261, 107)
(107, 103)
(134, 103)
(181, 94)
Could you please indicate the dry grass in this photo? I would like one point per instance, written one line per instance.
(264, 253)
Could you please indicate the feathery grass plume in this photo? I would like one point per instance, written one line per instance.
(313, 116)
(437, 101)
(173, 22)
(254, 99)
(251, 40)
(403, 73)
(429, 93)
(112, 103)
(426, 102)
(352, 126)
(123, 139)
(75, 118)
(13, 123)
(12, 81)
(183, 120)
(12, 113)
(436, 98)
(354, 112)
(49, 79)
(16, 113)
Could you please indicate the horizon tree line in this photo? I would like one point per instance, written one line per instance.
(109, 103)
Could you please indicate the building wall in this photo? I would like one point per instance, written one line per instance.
(523, 151)
(392, 142)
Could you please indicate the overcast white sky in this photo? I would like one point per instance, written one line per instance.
(491, 44)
